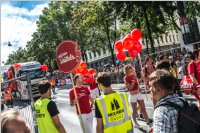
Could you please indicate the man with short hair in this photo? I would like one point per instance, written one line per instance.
(112, 110)
(165, 117)
(46, 111)
(85, 103)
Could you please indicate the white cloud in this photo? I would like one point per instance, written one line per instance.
(17, 31)
(38, 9)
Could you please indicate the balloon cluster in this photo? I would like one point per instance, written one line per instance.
(130, 43)
(44, 67)
(81, 69)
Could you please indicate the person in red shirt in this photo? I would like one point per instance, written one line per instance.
(135, 96)
(84, 99)
(194, 68)
(194, 72)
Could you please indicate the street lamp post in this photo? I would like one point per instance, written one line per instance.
(9, 44)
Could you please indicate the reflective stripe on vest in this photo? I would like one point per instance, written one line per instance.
(126, 117)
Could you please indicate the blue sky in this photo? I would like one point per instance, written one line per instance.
(18, 22)
(27, 4)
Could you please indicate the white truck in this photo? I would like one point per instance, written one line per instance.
(36, 75)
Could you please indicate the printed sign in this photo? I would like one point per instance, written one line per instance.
(68, 56)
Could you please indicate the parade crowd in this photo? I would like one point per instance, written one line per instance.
(163, 77)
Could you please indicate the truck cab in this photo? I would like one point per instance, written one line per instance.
(35, 74)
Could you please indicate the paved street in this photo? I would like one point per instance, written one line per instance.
(70, 120)
(68, 114)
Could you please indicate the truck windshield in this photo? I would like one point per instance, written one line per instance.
(34, 74)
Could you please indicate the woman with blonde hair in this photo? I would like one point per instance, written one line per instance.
(135, 95)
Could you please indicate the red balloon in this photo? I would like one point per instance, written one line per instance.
(16, 66)
(76, 71)
(83, 65)
(119, 46)
(91, 80)
(86, 80)
(91, 71)
(85, 72)
(133, 53)
(136, 34)
(128, 42)
(121, 55)
(80, 69)
(44, 67)
(138, 46)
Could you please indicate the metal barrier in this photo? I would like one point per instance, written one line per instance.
(25, 108)
(32, 103)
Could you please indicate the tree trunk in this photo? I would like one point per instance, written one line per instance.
(115, 32)
(110, 44)
(147, 46)
(149, 30)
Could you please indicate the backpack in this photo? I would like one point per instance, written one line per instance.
(188, 116)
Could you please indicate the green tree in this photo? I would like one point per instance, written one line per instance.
(148, 16)
(95, 23)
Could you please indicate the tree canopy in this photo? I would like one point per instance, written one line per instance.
(97, 25)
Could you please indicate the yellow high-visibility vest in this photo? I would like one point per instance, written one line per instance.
(115, 112)
(44, 120)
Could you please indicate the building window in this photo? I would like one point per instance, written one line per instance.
(104, 51)
(166, 38)
(158, 41)
(161, 38)
(99, 53)
(90, 55)
(174, 38)
(170, 39)
(95, 54)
